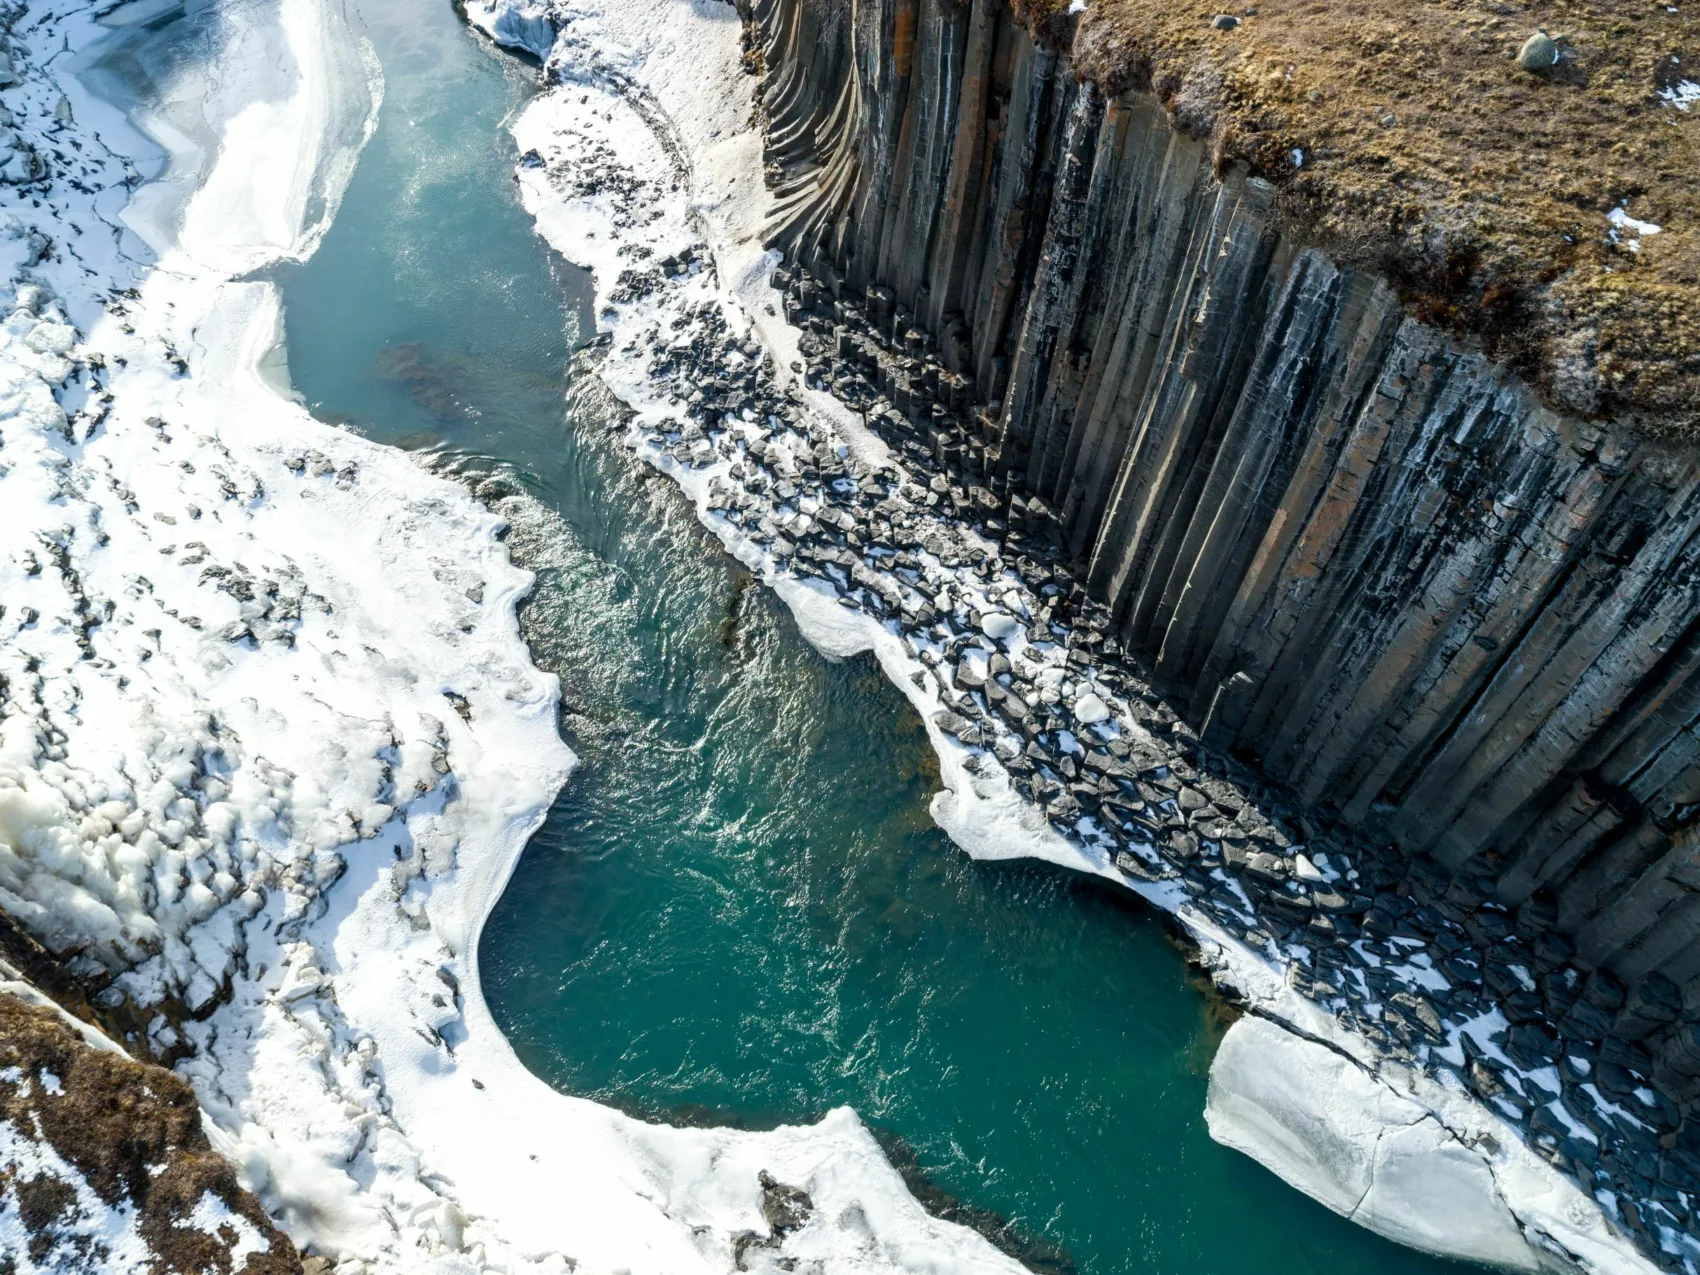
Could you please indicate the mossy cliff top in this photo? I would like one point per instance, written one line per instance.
(131, 1134)
(1510, 206)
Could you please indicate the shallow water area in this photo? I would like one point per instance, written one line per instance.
(739, 910)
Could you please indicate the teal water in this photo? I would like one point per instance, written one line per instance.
(739, 910)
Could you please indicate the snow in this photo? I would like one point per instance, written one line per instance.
(1682, 95)
(213, 1216)
(263, 752)
(85, 1226)
(233, 635)
(1089, 709)
(1316, 1119)
(1621, 221)
(1320, 1110)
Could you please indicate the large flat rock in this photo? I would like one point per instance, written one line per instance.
(1319, 1121)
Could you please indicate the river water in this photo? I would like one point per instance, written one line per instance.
(739, 910)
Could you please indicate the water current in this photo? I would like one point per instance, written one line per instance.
(739, 910)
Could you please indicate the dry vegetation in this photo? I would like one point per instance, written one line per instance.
(133, 1130)
(1481, 189)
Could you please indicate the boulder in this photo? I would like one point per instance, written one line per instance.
(1089, 709)
(1539, 53)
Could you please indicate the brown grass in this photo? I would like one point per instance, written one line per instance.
(1481, 190)
(134, 1132)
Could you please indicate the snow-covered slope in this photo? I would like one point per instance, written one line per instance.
(270, 741)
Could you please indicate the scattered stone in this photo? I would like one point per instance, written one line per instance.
(1539, 53)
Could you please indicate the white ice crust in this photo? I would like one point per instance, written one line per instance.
(656, 89)
(272, 742)
(1324, 1125)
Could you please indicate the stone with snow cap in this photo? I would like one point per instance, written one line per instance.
(1089, 709)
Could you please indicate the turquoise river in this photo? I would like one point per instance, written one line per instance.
(739, 910)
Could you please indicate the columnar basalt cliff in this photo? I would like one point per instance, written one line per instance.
(1419, 585)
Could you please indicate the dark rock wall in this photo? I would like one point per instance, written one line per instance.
(1350, 549)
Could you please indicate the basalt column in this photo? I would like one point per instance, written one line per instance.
(1349, 546)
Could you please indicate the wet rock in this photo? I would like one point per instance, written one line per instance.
(950, 723)
(785, 1208)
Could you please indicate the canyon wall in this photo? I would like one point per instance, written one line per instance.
(1348, 546)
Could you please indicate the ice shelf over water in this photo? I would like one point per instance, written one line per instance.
(271, 742)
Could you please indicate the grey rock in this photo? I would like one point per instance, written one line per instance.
(1539, 52)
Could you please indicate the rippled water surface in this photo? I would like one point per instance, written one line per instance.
(739, 910)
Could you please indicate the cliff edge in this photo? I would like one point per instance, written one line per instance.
(1551, 212)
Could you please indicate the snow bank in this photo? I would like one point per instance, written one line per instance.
(1319, 1121)
(271, 742)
